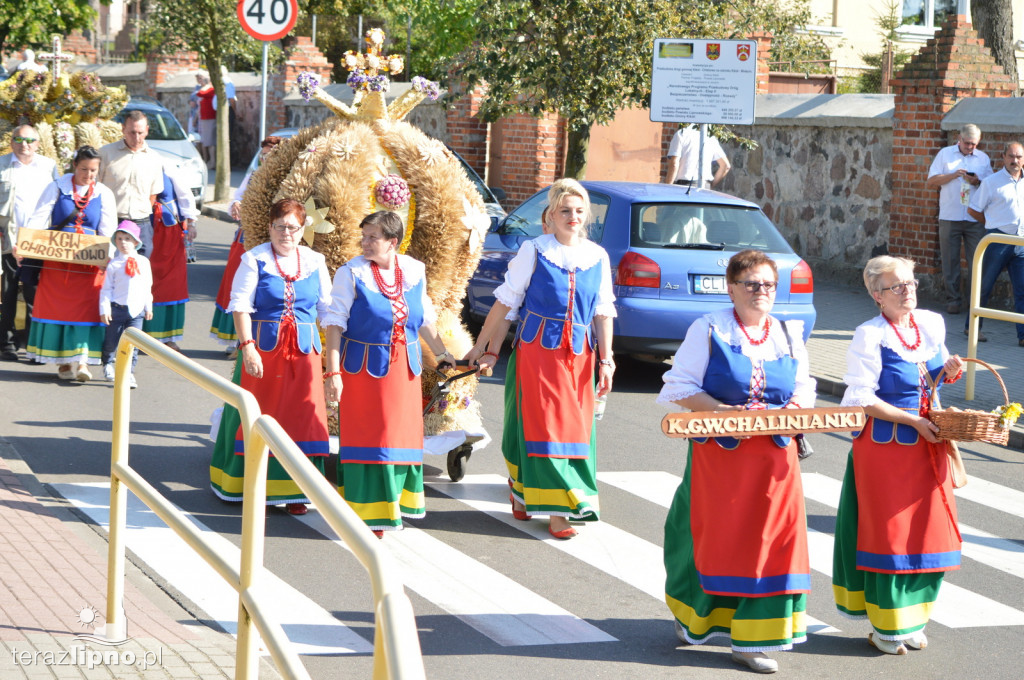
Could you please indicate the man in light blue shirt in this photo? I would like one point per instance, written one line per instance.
(999, 205)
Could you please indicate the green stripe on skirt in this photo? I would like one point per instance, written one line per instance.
(897, 605)
(58, 343)
(381, 493)
(227, 470)
(565, 487)
(754, 624)
(168, 322)
(223, 326)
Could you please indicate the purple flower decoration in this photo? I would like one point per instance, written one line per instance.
(431, 88)
(356, 80)
(392, 192)
(307, 82)
(379, 84)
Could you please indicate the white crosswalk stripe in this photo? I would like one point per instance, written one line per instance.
(311, 629)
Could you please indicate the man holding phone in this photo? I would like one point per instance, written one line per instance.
(956, 172)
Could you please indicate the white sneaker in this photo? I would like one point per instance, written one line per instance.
(131, 381)
(108, 372)
(759, 662)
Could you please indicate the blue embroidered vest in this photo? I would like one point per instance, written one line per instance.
(366, 343)
(168, 204)
(269, 304)
(899, 385)
(546, 305)
(728, 378)
(65, 206)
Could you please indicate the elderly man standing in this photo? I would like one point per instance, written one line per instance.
(999, 205)
(135, 173)
(956, 172)
(23, 176)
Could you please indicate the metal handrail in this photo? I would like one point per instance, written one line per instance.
(396, 652)
(976, 310)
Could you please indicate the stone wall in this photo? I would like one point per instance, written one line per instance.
(828, 189)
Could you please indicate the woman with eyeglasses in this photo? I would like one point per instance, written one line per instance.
(280, 290)
(66, 328)
(736, 535)
(896, 529)
(379, 313)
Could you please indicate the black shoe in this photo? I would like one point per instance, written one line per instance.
(1020, 343)
(953, 308)
(9, 354)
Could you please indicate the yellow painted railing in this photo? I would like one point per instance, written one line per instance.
(976, 310)
(396, 642)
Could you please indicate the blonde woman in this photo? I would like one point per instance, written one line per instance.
(559, 287)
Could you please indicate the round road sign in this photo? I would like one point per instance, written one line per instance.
(267, 19)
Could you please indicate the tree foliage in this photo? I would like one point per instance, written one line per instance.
(587, 59)
(888, 22)
(29, 23)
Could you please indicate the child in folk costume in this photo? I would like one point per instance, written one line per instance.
(126, 297)
(174, 214)
(559, 285)
(379, 311)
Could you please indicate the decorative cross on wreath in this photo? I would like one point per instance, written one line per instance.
(55, 58)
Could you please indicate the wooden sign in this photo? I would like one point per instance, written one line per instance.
(773, 421)
(63, 246)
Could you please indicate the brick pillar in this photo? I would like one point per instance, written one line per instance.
(527, 154)
(764, 53)
(160, 67)
(952, 65)
(77, 44)
(302, 56)
(467, 133)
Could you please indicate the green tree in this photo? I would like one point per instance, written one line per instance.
(587, 59)
(211, 29)
(888, 22)
(29, 23)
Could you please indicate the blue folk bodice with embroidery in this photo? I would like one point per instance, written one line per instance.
(168, 204)
(65, 206)
(547, 305)
(367, 340)
(899, 384)
(271, 306)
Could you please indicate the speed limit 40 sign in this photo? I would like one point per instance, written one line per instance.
(267, 19)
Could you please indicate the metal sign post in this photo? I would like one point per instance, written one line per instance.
(267, 20)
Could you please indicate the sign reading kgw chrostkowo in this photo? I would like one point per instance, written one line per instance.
(63, 246)
(769, 422)
(703, 81)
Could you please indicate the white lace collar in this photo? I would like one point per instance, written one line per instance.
(584, 255)
(309, 259)
(933, 336)
(412, 271)
(776, 346)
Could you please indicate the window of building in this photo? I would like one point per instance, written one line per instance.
(921, 18)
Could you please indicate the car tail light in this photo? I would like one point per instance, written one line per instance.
(637, 270)
(800, 279)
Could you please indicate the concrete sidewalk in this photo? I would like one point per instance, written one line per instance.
(842, 308)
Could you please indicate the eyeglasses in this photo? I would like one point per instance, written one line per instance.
(291, 229)
(901, 287)
(24, 140)
(754, 286)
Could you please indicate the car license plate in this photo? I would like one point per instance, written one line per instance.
(709, 284)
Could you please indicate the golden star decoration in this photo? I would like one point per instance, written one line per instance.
(316, 222)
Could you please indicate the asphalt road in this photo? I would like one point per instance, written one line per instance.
(495, 597)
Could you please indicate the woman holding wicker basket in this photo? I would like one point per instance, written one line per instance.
(896, 530)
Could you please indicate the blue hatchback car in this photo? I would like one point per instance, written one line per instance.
(669, 246)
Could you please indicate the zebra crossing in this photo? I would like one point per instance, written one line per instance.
(511, 613)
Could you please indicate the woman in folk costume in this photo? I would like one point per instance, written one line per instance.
(896, 528)
(174, 213)
(66, 328)
(223, 327)
(280, 290)
(379, 312)
(559, 285)
(736, 533)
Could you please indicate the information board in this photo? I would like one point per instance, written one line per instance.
(703, 81)
(63, 246)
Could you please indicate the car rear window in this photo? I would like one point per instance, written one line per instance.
(525, 220)
(697, 225)
(162, 125)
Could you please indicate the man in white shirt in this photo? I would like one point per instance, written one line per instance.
(999, 205)
(956, 172)
(135, 173)
(683, 152)
(23, 176)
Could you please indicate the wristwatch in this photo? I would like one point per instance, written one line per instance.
(607, 362)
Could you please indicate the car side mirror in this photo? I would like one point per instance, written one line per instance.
(498, 193)
(495, 223)
(194, 138)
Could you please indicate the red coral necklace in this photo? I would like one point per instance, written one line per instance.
(767, 328)
(81, 202)
(298, 267)
(394, 291)
(917, 332)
